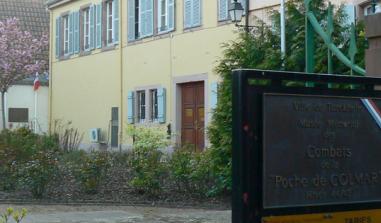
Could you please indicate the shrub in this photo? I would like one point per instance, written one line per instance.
(145, 137)
(18, 147)
(93, 170)
(146, 159)
(36, 173)
(68, 137)
(190, 171)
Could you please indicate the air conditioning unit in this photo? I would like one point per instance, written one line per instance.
(95, 135)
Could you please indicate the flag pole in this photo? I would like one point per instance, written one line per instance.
(36, 85)
(35, 111)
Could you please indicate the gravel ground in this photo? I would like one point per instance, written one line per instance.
(119, 214)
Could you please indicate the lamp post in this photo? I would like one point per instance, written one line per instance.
(236, 12)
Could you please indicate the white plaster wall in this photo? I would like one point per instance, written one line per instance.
(22, 96)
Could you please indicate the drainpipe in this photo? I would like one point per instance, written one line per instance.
(121, 113)
(51, 74)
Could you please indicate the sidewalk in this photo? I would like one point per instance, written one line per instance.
(116, 214)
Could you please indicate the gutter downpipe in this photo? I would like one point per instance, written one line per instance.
(121, 74)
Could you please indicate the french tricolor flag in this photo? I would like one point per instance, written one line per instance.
(36, 83)
(373, 110)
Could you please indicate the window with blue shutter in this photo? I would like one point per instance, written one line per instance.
(161, 105)
(196, 17)
(171, 15)
(115, 7)
(71, 33)
(192, 13)
(76, 32)
(223, 7)
(146, 18)
(58, 37)
(131, 33)
(187, 13)
(92, 27)
(131, 107)
(98, 28)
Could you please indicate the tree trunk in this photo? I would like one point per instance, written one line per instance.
(3, 108)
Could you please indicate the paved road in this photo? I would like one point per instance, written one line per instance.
(109, 214)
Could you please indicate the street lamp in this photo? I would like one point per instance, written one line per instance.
(236, 11)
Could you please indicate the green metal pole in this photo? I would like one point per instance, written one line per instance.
(310, 45)
(332, 47)
(329, 33)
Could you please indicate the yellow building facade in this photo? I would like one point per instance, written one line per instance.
(141, 62)
(141, 80)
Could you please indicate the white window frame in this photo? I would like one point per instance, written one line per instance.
(66, 28)
(140, 106)
(86, 29)
(160, 15)
(153, 105)
(110, 6)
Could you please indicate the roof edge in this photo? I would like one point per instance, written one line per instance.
(55, 3)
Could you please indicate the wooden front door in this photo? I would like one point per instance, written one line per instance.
(193, 113)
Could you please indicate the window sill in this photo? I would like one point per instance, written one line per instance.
(64, 57)
(108, 47)
(224, 22)
(85, 53)
(192, 29)
(157, 36)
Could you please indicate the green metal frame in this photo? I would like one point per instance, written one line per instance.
(312, 26)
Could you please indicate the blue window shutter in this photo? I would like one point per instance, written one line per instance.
(58, 37)
(71, 33)
(142, 18)
(223, 10)
(149, 18)
(131, 107)
(213, 95)
(76, 32)
(98, 28)
(171, 14)
(187, 13)
(92, 27)
(161, 105)
(196, 11)
(131, 20)
(115, 8)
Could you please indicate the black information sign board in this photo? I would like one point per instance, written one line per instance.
(304, 150)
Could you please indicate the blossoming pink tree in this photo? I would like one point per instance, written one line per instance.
(18, 53)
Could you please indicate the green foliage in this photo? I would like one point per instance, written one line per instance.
(147, 170)
(17, 149)
(10, 213)
(36, 173)
(148, 137)
(92, 170)
(146, 159)
(261, 50)
(190, 171)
